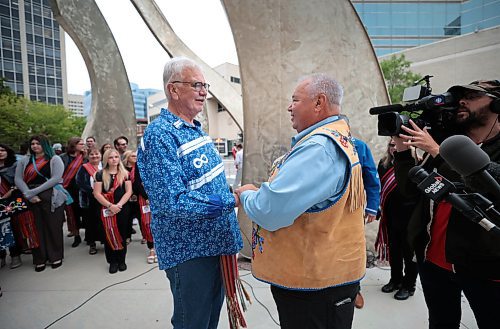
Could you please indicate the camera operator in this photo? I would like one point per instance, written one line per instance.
(454, 254)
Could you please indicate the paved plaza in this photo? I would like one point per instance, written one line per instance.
(140, 297)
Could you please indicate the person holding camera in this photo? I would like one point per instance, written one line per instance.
(454, 254)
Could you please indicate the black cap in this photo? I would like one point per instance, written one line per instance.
(491, 87)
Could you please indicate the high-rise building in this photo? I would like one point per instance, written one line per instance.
(32, 51)
(398, 25)
(75, 104)
(139, 96)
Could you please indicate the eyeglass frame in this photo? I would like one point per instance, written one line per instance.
(197, 85)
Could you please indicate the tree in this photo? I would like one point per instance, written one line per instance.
(22, 118)
(4, 89)
(398, 76)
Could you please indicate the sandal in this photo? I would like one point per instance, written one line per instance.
(92, 250)
(151, 257)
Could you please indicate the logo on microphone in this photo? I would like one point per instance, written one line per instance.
(435, 187)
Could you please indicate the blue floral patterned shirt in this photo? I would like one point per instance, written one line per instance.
(191, 204)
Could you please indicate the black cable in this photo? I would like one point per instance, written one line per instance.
(97, 293)
(258, 301)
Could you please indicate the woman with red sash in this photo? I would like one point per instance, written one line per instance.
(7, 188)
(145, 213)
(129, 159)
(89, 205)
(73, 160)
(112, 189)
(36, 177)
(392, 241)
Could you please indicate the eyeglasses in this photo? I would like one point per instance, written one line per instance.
(196, 85)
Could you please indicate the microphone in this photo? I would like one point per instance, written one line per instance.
(386, 108)
(437, 188)
(470, 161)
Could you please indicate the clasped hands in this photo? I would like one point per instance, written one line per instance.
(238, 191)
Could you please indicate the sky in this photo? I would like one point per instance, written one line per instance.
(201, 24)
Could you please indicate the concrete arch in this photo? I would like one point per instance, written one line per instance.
(279, 41)
(112, 109)
(220, 88)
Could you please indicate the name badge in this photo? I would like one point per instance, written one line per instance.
(107, 213)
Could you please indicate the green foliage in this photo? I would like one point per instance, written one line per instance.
(4, 90)
(22, 118)
(398, 76)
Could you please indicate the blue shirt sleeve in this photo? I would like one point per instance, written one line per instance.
(371, 180)
(312, 177)
(162, 175)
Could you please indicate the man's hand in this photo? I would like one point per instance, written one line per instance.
(369, 218)
(246, 187)
(420, 138)
(237, 202)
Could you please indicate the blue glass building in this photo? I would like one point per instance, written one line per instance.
(32, 50)
(398, 25)
(140, 97)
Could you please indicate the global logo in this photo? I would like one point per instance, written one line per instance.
(436, 186)
(438, 100)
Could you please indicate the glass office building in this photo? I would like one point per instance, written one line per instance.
(32, 50)
(398, 25)
(140, 97)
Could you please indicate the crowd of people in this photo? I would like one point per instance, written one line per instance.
(94, 190)
(308, 239)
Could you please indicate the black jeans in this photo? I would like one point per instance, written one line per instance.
(331, 308)
(442, 292)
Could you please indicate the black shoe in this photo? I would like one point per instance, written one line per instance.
(77, 241)
(39, 267)
(113, 268)
(403, 294)
(57, 264)
(390, 287)
(92, 249)
(122, 267)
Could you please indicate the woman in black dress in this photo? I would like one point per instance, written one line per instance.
(91, 209)
(112, 189)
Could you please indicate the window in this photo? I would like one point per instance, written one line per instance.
(235, 79)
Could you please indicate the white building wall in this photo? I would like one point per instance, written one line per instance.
(458, 60)
(75, 104)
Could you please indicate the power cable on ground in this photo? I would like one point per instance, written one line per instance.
(97, 293)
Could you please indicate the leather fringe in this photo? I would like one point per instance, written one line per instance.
(235, 292)
(356, 189)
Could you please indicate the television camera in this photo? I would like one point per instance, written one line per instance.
(437, 112)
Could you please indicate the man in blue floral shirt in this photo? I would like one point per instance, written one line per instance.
(193, 220)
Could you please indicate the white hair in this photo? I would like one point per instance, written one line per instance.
(321, 83)
(173, 69)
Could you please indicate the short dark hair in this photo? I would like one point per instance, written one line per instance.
(90, 137)
(115, 142)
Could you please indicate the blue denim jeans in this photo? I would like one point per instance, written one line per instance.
(198, 293)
